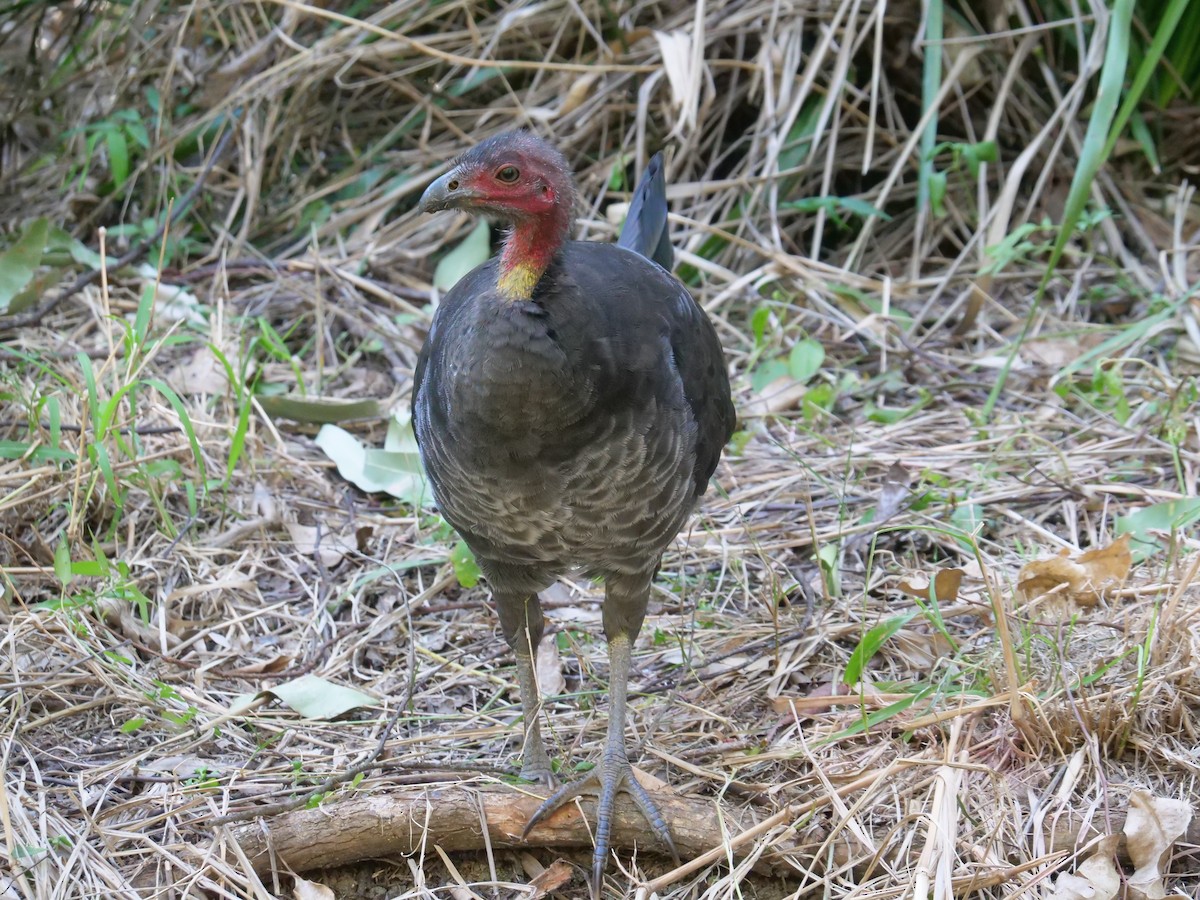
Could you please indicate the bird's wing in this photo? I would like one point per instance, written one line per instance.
(645, 229)
(700, 362)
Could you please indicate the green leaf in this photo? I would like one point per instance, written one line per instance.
(394, 470)
(862, 208)
(937, 193)
(466, 570)
(834, 205)
(185, 420)
(14, 449)
(875, 638)
(766, 372)
(20, 261)
(805, 359)
(475, 249)
(315, 698)
(318, 410)
(118, 156)
(968, 519)
(62, 562)
(90, 568)
(758, 322)
(818, 399)
(974, 154)
(1145, 525)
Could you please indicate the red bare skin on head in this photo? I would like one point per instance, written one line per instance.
(525, 182)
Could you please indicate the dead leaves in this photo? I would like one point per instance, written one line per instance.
(945, 586)
(1152, 826)
(1096, 878)
(1084, 579)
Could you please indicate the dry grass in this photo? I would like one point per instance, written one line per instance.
(988, 739)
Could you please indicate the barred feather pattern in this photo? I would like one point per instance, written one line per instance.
(558, 432)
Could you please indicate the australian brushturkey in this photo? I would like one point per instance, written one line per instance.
(570, 404)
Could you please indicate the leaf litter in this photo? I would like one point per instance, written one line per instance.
(989, 736)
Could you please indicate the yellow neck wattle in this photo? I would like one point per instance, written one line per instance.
(518, 281)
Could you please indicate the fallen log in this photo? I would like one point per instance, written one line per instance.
(465, 816)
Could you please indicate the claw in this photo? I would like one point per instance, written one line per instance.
(606, 780)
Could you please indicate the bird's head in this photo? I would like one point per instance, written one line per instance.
(524, 182)
(513, 177)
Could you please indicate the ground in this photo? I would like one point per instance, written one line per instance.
(934, 629)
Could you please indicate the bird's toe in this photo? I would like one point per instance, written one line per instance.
(606, 781)
(539, 774)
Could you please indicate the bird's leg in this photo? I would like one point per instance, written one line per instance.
(521, 621)
(624, 609)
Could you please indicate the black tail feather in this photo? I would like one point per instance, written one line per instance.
(645, 229)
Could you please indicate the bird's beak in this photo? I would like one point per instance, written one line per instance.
(448, 192)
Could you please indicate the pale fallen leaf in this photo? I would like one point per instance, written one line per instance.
(576, 94)
(728, 664)
(972, 569)
(893, 493)
(617, 213)
(1151, 827)
(327, 546)
(172, 302)
(304, 889)
(782, 394)
(263, 502)
(199, 374)
(267, 666)
(1096, 878)
(315, 698)
(1084, 579)
(396, 469)
(1057, 353)
(651, 782)
(549, 668)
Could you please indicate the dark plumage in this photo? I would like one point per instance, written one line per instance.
(570, 403)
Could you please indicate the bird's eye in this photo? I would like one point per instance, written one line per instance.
(508, 174)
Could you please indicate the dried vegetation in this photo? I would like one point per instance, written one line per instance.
(168, 552)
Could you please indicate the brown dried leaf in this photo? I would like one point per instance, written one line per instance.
(268, 666)
(945, 586)
(553, 877)
(1084, 579)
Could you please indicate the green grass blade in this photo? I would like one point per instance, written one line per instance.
(1091, 157)
(931, 80)
(93, 400)
(1096, 141)
(184, 420)
(1166, 28)
(875, 638)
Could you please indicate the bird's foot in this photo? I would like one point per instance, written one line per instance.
(539, 773)
(535, 764)
(613, 774)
